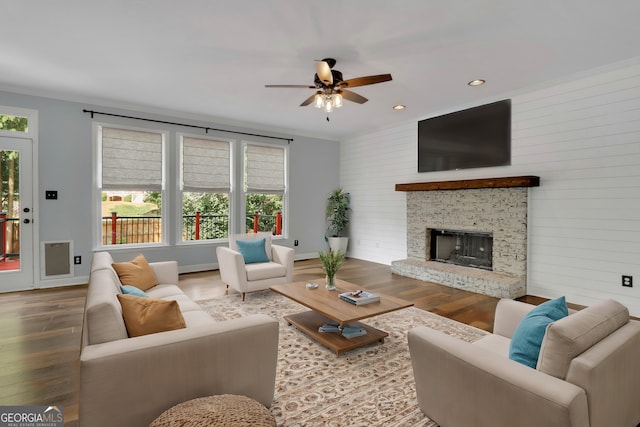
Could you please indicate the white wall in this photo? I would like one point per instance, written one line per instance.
(582, 137)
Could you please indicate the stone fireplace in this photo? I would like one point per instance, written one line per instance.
(469, 234)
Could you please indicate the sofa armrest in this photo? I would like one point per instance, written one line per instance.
(457, 382)
(283, 255)
(132, 381)
(509, 314)
(166, 272)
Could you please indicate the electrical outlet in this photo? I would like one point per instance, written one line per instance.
(51, 195)
(77, 259)
(295, 242)
(627, 281)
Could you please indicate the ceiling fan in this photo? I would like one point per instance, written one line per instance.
(331, 88)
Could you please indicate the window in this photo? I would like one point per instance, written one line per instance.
(11, 123)
(131, 184)
(265, 187)
(205, 186)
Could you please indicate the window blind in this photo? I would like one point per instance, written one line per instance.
(265, 169)
(131, 159)
(205, 165)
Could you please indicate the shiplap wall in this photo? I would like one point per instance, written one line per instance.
(582, 137)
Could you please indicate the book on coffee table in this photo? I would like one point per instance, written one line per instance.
(351, 332)
(359, 297)
(329, 327)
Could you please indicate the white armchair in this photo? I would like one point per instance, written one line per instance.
(249, 277)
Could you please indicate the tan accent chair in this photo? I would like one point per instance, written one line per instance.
(588, 372)
(256, 276)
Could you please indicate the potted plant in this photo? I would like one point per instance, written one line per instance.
(337, 215)
(331, 262)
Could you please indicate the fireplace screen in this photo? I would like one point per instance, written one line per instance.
(466, 248)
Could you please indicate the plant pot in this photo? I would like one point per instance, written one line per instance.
(339, 244)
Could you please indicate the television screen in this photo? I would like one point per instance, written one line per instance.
(474, 138)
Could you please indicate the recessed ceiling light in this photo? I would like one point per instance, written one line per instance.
(399, 107)
(476, 82)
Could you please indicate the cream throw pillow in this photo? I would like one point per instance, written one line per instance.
(143, 316)
(136, 273)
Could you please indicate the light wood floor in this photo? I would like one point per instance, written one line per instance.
(40, 330)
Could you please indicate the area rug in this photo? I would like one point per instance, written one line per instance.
(369, 386)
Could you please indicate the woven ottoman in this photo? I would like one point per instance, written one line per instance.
(221, 410)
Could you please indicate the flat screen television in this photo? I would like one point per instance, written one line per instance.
(477, 137)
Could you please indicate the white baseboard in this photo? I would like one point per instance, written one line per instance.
(197, 268)
(300, 257)
(66, 281)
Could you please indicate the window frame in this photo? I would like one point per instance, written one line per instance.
(179, 191)
(32, 122)
(98, 188)
(243, 185)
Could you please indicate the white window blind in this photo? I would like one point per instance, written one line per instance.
(265, 168)
(131, 159)
(205, 165)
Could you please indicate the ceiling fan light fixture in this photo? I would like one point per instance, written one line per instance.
(476, 82)
(337, 100)
(319, 100)
(328, 104)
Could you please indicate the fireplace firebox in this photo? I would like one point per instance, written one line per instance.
(465, 248)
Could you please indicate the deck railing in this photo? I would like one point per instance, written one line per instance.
(118, 230)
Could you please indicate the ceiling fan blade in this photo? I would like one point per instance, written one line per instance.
(292, 86)
(368, 80)
(324, 72)
(353, 97)
(308, 101)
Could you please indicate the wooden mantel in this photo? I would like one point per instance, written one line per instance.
(467, 184)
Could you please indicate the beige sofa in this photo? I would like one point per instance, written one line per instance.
(588, 372)
(131, 381)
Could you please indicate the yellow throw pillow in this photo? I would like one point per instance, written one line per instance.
(143, 316)
(136, 273)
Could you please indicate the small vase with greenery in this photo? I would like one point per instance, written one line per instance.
(331, 262)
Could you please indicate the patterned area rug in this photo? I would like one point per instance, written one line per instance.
(369, 386)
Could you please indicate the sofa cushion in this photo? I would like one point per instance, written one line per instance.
(573, 335)
(136, 273)
(132, 290)
(143, 316)
(252, 251)
(165, 291)
(527, 338)
(265, 270)
(233, 241)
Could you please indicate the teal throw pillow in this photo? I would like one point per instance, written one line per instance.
(252, 250)
(132, 290)
(527, 338)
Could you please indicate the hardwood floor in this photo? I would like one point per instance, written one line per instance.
(40, 330)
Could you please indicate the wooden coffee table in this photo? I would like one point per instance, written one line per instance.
(326, 306)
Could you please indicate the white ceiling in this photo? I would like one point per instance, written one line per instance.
(212, 58)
